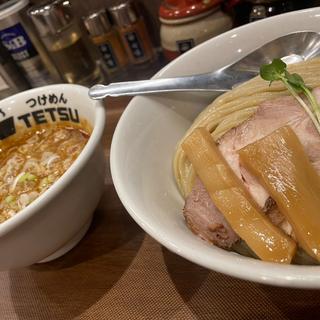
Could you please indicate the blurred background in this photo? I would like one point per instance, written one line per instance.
(102, 41)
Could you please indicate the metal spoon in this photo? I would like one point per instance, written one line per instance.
(292, 48)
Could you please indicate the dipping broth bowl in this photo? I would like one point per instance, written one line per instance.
(57, 220)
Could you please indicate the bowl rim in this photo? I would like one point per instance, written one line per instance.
(40, 202)
(296, 276)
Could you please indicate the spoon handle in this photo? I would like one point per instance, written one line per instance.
(219, 81)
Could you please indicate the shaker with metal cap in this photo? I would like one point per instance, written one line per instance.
(62, 37)
(16, 39)
(107, 40)
(133, 32)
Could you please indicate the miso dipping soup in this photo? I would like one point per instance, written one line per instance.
(34, 159)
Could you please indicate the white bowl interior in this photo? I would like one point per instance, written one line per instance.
(144, 144)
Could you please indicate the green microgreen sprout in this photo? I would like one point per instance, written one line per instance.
(277, 71)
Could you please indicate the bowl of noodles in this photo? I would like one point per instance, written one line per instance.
(52, 172)
(173, 196)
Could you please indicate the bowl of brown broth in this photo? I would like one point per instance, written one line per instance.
(51, 158)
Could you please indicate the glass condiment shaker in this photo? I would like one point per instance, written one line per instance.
(133, 32)
(62, 37)
(108, 42)
(186, 23)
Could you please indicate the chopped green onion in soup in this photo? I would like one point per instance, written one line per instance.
(30, 164)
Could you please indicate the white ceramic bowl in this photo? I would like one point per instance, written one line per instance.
(58, 219)
(144, 143)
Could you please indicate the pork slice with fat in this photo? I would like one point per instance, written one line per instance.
(269, 117)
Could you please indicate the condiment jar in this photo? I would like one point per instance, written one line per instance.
(133, 32)
(108, 42)
(62, 37)
(186, 23)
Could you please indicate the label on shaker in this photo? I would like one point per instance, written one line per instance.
(134, 44)
(185, 45)
(108, 56)
(18, 43)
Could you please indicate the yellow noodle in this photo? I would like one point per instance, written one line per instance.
(232, 120)
(233, 108)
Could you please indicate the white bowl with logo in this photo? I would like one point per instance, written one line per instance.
(57, 220)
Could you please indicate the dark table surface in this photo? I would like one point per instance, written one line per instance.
(119, 272)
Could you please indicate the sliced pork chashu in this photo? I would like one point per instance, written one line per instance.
(202, 216)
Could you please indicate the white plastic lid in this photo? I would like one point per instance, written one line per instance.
(11, 7)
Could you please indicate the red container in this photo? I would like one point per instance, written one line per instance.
(177, 9)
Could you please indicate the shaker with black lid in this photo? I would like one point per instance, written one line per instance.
(251, 10)
(266, 8)
(133, 32)
(62, 37)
